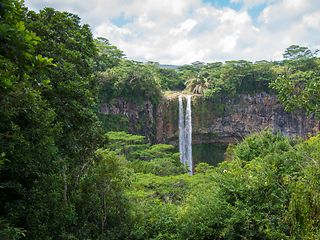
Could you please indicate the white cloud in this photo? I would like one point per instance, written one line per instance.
(184, 31)
(107, 28)
(92, 11)
(290, 22)
(288, 11)
(183, 28)
(312, 20)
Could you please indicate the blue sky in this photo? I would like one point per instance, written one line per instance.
(184, 31)
(224, 3)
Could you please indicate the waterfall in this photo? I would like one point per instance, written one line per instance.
(185, 134)
(188, 131)
(182, 143)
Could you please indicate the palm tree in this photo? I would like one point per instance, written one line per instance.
(198, 84)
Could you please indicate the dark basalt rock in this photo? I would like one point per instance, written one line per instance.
(223, 121)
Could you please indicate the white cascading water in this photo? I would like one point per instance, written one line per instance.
(189, 135)
(182, 136)
(185, 134)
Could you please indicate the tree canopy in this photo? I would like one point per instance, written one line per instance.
(296, 52)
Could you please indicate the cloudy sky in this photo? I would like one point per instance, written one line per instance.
(184, 31)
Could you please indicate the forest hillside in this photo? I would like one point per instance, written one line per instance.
(69, 172)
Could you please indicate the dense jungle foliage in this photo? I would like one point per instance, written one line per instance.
(62, 176)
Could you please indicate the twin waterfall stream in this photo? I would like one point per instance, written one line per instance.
(185, 134)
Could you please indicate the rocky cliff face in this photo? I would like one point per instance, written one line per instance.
(140, 117)
(224, 121)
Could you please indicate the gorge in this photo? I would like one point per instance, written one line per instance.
(225, 120)
(215, 124)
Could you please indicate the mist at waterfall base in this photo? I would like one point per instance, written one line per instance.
(191, 154)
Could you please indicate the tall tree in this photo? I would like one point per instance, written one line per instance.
(27, 126)
(298, 81)
(108, 56)
(49, 130)
(131, 81)
(73, 89)
(297, 52)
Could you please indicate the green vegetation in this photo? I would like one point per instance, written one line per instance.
(131, 81)
(159, 159)
(63, 177)
(298, 81)
(216, 80)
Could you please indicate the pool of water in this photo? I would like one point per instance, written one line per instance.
(211, 153)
